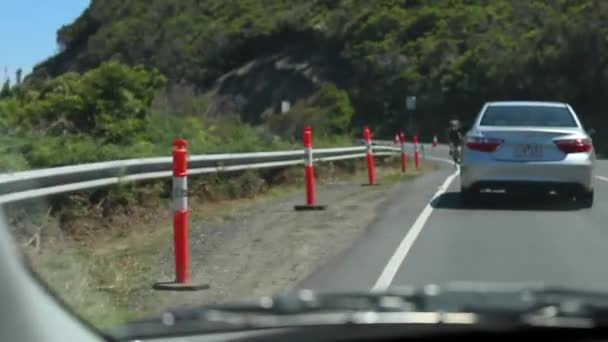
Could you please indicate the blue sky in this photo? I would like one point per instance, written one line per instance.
(28, 30)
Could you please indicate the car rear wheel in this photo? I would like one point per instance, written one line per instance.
(585, 199)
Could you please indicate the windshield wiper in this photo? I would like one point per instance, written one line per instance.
(461, 303)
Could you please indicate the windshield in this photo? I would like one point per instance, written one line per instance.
(172, 154)
(540, 116)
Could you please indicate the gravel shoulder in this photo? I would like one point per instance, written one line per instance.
(268, 247)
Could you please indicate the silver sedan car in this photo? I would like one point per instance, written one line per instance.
(526, 146)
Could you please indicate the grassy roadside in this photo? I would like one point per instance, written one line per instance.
(106, 277)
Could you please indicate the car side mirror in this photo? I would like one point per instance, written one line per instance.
(591, 131)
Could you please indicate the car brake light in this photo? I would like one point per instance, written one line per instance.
(574, 145)
(483, 144)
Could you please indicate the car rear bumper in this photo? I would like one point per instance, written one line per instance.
(530, 187)
(563, 174)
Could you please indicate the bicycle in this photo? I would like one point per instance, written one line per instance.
(456, 153)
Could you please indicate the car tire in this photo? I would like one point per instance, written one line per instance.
(585, 199)
(468, 196)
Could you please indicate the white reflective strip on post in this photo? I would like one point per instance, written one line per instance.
(308, 153)
(402, 147)
(180, 193)
(368, 144)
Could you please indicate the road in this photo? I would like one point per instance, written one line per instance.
(423, 234)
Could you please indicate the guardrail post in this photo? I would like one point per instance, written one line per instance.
(416, 152)
(309, 175)
(403, 155)
(371, 172)
(422, 151)
(180, 222)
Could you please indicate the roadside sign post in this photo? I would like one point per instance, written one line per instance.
(416, 152)
(410, 107)
(422, 151)
(285, 107)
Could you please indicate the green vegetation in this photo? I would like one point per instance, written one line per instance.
(103, 114)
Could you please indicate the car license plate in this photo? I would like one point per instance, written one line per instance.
(528, 151)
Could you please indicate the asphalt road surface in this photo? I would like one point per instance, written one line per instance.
(424, 234)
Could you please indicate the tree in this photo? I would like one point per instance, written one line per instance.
(6, 89)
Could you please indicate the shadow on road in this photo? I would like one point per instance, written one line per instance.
(452, 200)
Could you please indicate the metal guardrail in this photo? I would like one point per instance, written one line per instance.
(39, 183)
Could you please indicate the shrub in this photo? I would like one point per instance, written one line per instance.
(328, 111)
(110, 103)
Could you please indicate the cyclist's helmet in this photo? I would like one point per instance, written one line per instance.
(454, 124)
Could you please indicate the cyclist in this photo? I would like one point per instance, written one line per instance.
(455, 138)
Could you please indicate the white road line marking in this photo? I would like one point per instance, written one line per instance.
(444, 160)
(395, 262)
(605, 179)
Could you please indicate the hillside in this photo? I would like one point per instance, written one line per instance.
(453, 54)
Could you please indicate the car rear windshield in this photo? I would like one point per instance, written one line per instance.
(543, 116)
